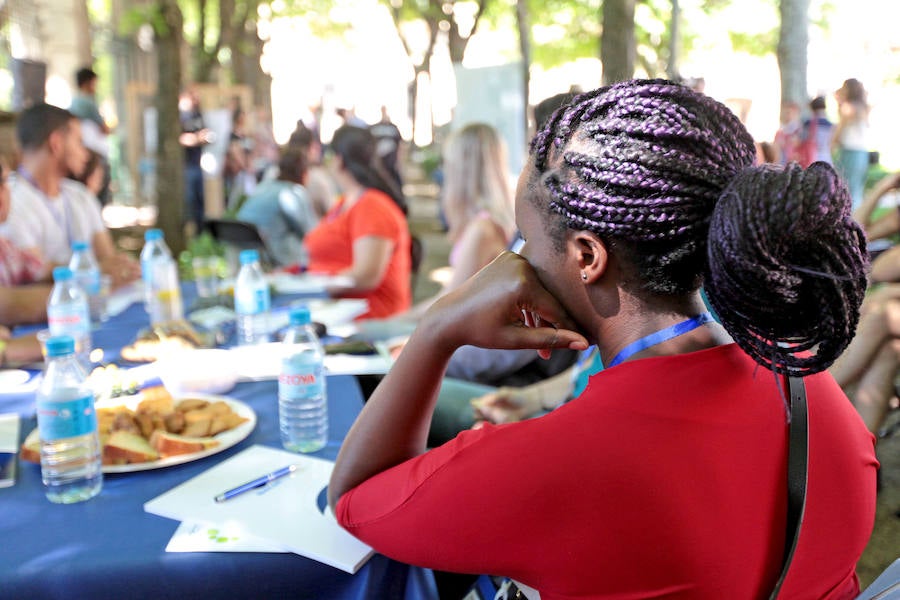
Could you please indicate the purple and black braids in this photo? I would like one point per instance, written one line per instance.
(787, 266)
(644, 163)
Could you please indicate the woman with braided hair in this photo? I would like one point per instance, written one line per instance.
(666, 477)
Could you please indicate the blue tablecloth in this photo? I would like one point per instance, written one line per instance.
(109, 547)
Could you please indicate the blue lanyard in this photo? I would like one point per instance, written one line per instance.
(64, 219)
(658, 337)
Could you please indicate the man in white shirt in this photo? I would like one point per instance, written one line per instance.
(50, 212)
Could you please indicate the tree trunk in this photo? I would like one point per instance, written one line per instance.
(170, 154)
(423, 67)
(793, 39)
(228, 36)
(617, 44)
(524, 23)
(83, 36)
(674, 42)
(203, 60)
(456, 42)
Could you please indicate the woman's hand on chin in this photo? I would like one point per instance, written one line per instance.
(504, 305)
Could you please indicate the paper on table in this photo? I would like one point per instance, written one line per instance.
(289, 513)
(330, 313)
(9, 448)
(307, 283)
(228, 537)
(9, 432)
(263, 361)
(120, 299)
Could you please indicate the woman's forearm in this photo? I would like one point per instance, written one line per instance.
(393, 425)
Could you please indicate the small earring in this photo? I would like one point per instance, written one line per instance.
(583, 276)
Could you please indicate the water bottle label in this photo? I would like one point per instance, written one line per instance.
(61, 419)
(301, 377)
(253, 303)
(68, 320)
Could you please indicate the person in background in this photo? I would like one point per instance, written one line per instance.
(194, 136)
(94, 173)
(817, 133)
(50, 212)
(787, 138)
(238, 171)
(266, 153)
(24, 291)
(765, 153)
(320, 184)
(884, 227)
(364, 237)
(666, 476)
(388, 146)
(349, 117)
(850, 140)
(477, 201)
(281, 209)
(94, 129)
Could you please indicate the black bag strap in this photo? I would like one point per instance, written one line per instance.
(798, 447)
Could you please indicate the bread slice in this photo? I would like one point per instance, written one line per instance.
(126, 447)
(171, 444)
(31, 447)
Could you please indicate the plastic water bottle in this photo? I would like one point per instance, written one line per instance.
(165, 304)
(67, 312)
(86, 272)
(67, 424)
(302, 405)
(252, 300)
(154, 248)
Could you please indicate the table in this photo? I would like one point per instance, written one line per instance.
(109, 547)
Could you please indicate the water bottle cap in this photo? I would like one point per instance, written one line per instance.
(300, 316)
(62, 274)
(152, 235)
(249, 256)
(60, 345)
(79, 246)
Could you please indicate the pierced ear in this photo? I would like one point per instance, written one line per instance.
(591, 255)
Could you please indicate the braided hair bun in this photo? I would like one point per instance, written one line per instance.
(787, 266)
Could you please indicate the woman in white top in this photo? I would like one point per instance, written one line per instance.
(849, 139)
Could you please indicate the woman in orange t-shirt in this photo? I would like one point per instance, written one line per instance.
(364, 236)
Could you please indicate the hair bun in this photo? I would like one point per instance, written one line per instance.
(787, 266)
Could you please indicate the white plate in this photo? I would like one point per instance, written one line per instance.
(13, 377)
(226, 439)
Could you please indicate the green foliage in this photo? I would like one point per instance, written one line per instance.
(136, 16)
(755, 44)
(564, 30)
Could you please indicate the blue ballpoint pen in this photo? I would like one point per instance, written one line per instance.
(259, 482)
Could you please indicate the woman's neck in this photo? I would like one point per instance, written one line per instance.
(636, 320)
(352, 191)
